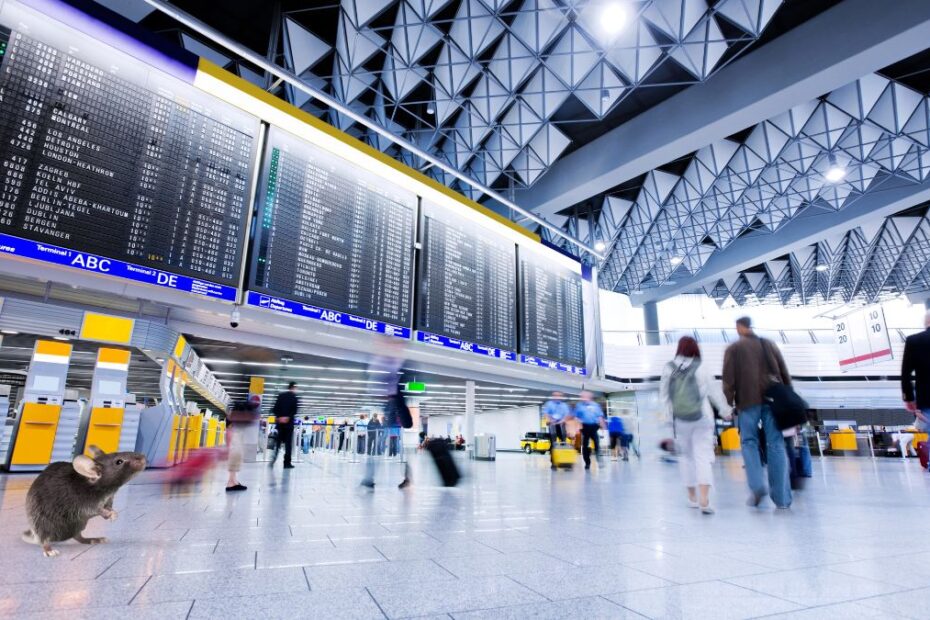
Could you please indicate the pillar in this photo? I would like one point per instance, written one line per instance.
(651, 316)
(470, 416)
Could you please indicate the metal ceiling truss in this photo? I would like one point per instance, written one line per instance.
(480, 83)
(866, 264)
(874, 129)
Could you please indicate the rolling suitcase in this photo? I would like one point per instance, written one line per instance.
(448, 470)
(564, 455)
(923, 451)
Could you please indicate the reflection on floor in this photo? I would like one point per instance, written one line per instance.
(514, 541)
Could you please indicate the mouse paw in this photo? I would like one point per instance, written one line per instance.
(109, 514)
(48, 552)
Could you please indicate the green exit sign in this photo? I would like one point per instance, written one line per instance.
(416, 387)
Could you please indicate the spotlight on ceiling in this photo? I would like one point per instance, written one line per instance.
(430, 109)
(605, 95)
(835, 173)
(614, 17)
(600, 246)
(821, 267)
(676, 260)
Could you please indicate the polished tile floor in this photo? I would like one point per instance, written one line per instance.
(513, 541)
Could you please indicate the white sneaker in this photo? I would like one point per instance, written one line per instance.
(707, 510)
(693, 504)
(613, 458)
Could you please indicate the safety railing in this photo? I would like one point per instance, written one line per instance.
(352, 443)
(724, 335)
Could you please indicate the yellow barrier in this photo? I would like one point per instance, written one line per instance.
(103, 429)
(36, 435)
(729, 440)
(843, 440)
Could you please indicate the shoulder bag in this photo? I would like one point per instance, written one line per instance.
(788, 408)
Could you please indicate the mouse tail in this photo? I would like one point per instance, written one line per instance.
(30, 537)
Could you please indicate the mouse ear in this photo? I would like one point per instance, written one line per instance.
(87, 467)
(95, 452)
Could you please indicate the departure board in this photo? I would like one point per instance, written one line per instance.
(100, 153)
(332, 235)
(467, 288)
(551, 309)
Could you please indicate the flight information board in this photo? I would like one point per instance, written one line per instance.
(107, 160)
(551, 310)
(332, 235)
(467, 288)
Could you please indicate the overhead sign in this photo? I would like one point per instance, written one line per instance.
(862, 338)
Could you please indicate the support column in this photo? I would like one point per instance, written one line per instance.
(651, 316)
(470, 416)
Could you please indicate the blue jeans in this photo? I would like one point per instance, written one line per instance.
(775, 452)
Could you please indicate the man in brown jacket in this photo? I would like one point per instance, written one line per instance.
(749, 366)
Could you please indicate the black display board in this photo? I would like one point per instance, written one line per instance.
(551, 309)
(467, 287)
(101, 154)
(332, 235)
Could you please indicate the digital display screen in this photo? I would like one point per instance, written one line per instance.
(331, 234)
(551, 309)
(100, 153)
(467, 287)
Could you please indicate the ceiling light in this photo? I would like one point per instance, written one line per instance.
(600, 246)
(430, 109)
(821, 267)
(61, 338)
(835, 173)
(676, 260)
(9, 332)
(613, 18)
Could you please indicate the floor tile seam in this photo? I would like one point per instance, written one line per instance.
(190, 609)
(851, 600)
(433, 560)
(377, 604)
(620, 605)
(148, 579)
(832, 569)
(530, 588)
(111, 565)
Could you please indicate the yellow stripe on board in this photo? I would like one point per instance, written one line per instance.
(51, 347)
(254, 91)
(113, 356)
(179, 347)
(106, 328)
(256, 385)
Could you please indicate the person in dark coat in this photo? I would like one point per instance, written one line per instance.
(915, 368)
(285, 411)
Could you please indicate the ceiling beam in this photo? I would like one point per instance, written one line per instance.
(849, 40)
(811, 226)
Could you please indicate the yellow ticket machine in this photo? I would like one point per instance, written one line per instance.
(46, 424)
(108, 423)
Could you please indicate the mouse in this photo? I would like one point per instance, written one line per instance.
(65, 496)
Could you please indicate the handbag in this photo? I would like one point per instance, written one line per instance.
(788, 408)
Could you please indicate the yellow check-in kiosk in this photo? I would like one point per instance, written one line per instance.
(210, 430)
(47, 421)
(111, 422)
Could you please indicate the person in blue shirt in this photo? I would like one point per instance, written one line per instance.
(591, 417)
(615, 431)
(555, 412)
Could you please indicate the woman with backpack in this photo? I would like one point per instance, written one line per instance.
(686, 389)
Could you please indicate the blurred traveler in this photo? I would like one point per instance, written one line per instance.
(241, 416)
(341, 432)
(746, 377)
(285, 410)
(687, 391)
(361, 432)
(617, 443)
(555, 412)
(591, 417)
(915, 368)
(386, 368)
(374, 435)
